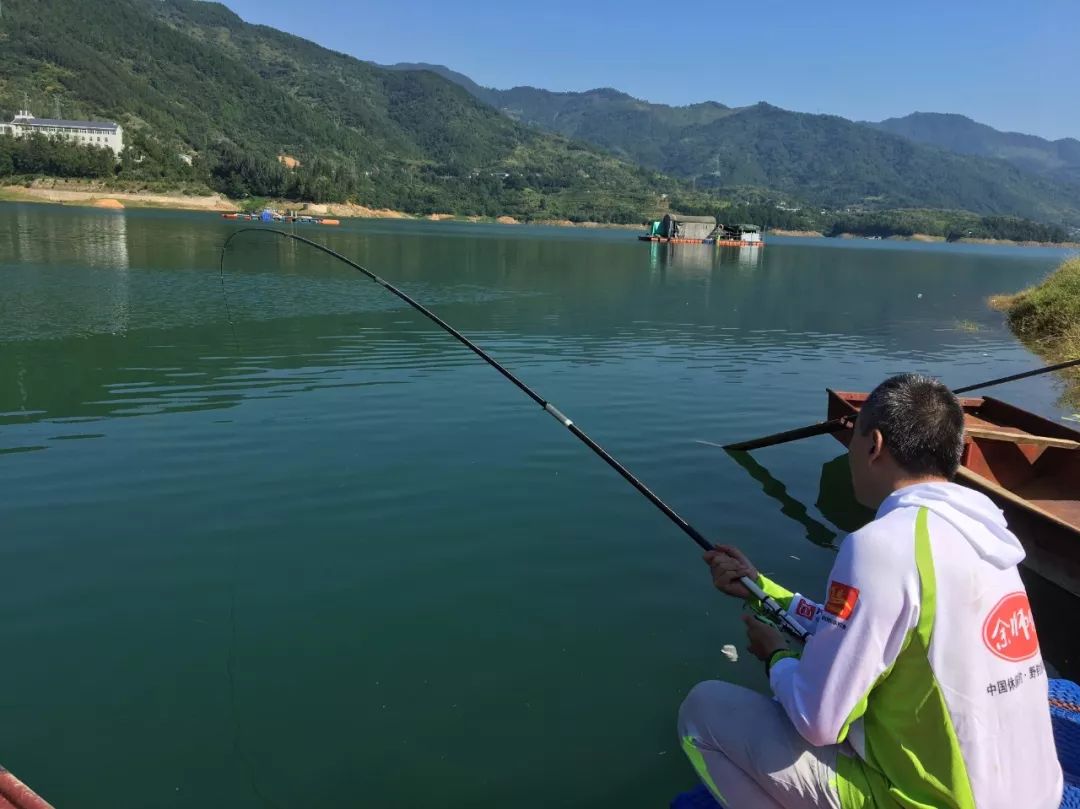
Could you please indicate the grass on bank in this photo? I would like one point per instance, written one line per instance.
(1046, 318)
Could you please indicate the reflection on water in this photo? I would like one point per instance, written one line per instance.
(701, 259)
(816, 532)
(42, 293)
(390, 549)
(304, 323)
(836, 497)
(78, 237)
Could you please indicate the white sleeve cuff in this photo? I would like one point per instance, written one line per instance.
(781, 670)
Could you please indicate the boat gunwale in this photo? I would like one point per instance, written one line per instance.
(976, 407)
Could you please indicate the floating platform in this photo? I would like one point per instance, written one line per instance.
(714, 242)
(679, 229)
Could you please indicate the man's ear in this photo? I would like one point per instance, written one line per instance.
(877, 445)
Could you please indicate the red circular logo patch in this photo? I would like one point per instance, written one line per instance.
(1009, 629)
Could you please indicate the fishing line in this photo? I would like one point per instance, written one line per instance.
(770, 606)
(228, 312)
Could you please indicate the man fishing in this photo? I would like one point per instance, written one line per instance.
(922, 684)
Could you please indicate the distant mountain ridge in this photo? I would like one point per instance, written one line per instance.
(207, 99)
(960, 134)
(824, 159)
(191, 78)
(459, 79)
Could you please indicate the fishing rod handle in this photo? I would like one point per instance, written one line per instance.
(787, 623)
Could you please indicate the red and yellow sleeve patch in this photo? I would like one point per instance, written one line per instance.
(842, 600)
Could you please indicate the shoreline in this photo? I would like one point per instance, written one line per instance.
(92, 196)
(64, 194)
(100, 198)
(922, 238)
(1011, 243)
(1046, 319)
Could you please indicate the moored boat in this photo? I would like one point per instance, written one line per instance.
(1028, 465)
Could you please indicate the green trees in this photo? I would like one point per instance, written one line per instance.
(41, 155)
(1046, 317)
(952, 225)
(208, 101)
(1008, 227)
(191, 78)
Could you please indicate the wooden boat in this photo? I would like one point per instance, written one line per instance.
(14, 794)
(1028, 465)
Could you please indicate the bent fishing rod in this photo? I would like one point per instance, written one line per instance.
(777, 613)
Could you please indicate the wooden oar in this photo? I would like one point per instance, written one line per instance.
(845, 422)
(822, 428)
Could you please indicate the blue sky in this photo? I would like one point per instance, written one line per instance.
(1015, 66)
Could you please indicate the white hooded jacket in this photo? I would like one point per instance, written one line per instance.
(924, 658)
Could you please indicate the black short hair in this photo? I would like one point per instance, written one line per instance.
(921, 422)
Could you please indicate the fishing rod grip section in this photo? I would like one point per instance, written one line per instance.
(557, 414)
(787, 623)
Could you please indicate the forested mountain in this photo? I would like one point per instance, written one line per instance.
(957, 133)
(210, 100)
(189, 77)
(634, 129)
(824, 159)
(459, 79)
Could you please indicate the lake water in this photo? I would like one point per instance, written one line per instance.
(328, 557)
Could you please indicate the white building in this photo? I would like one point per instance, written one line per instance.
(87, 133)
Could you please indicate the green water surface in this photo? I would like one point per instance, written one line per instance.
(329, 558)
